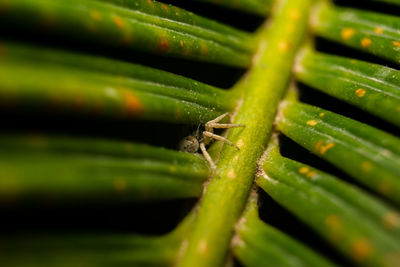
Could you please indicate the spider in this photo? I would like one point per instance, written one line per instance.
(193, 142)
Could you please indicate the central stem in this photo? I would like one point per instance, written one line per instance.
(266, 82)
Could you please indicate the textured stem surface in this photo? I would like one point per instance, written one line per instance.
(228, 190)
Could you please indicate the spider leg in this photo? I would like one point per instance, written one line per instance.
(207, 156)
(224, 125)
(220, 138)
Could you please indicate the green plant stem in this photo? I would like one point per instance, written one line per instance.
(357, 224)
(228, 190)
(258, 244)
(369, 155)
(90, 86)
(371, 87)
(135, 25)
(258, 7)
(37, 170)
(367, 31)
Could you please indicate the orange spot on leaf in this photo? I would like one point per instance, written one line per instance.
(120, 185)
(118, 21)
(360, 92)
(132, 104)
(396, 43)
(347, 33)
(163, 45)
(303, 170)
(312, 122)
(325, 148)
(361, 249)
(365, 42)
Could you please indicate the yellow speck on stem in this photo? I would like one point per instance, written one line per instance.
(283, 46)
(360, 92)
(231, 174)
(203, 247)
(294, 14)
(347, 33)
(396, 43)
(361, 249)
(321, 114)
(365, 42)
(312, 122)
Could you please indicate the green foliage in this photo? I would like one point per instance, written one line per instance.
(100, 87)
(145, 25)
(38, 169)
(360, 226)
(69, 171)
(369, 155)
(367, 31)
(253, 244)
(360, 83)
(258, 7)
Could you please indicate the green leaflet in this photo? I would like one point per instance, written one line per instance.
(88, 250)
(372, 32)
(37, 169)
(92, 86)
(258, 244)
(371, 87)
(360, 226)
(259, 7)
(369, 155)
(144, 25)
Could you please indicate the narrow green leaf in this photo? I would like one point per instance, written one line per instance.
(87, 250)
(258, 244)
(369, 155)
(371, 87)
(92, 86)
(258, 7)
(36, 169)
(366, 232)
(144, 25)
(368, 31)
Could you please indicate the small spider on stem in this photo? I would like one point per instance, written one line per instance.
(192, 143)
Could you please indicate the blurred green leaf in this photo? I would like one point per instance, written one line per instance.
(374, 88)
(367, 31)
(359, 225)
(35, 169)
(369, 155)
(143, 25)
